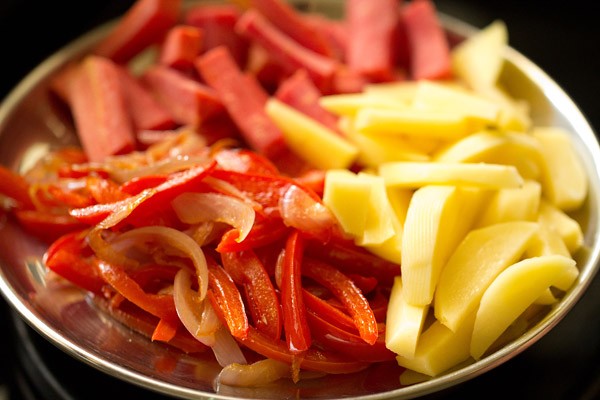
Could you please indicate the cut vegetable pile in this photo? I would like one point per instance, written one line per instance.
(296, 193)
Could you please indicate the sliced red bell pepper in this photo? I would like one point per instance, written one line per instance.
(311, 360)
(264, 189)
(146, 112)
(144, 323)
(247, 270)
(264, 232)
(217, 21)
(429, 48)
(348, 343)
(227, 300)
(138, 184)
(372, 30)
(243, 101)
(180, 47)
(348, 293)
(70, 257)
(98, 105)
(189, 101)
(297, 333)
(165, 330)
(144, 24)
(350, 258)
(293, 24)
(299, 92)
(293, 56)
(149, 205)
(159, 305)
(47, 226)
(246, 161)
(16, 187)
(332, 314)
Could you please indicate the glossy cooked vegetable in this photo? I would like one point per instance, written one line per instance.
(300, 202)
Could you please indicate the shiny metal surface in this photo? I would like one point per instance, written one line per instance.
(31, 122)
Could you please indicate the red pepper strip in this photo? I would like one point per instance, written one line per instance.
(15, 186)
(226, 298)
(140, 321)
(264, 189)
(47, 226)
(245, 161)
(160, 305)
(333, 337)
(297, 333)
(139, 183)
(142, 25)
(350, 258)
(264, 232)
(247, 270)
(69, 256)
(165, 330)
(144, 207)
(104, 190)
(312, 360)
(366, 284)
(332, 314)
(348, 293)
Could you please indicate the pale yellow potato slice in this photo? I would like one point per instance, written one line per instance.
(515, 289)
(479, 59)
(403, 92)
(311, 140)
(547, 242)
(514, 113)
(360, 203)
(347, 197)
(391, 249)
(555, 219)
(379, 149)
(564, 180)
(440, 349)
(437, 124)
(438, 217)
(349, 104)
(476, 262)
(379, 225)
(437, 96)
(512, 204)
(416, 174)
(495, 147)
(404, 322)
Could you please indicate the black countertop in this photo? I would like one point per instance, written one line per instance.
(560, 37)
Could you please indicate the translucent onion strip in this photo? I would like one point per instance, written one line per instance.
(194, 208)
(201, 320)
(256, 374)
(303, 212)
(168, 238)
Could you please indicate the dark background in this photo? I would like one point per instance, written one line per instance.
(563, 38)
